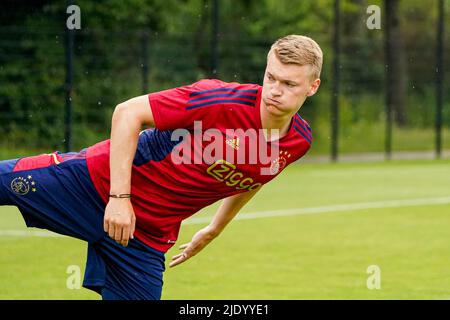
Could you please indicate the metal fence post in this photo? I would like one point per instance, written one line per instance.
(144, 65)
(215, 39)
(335, 83)
(439, 77)
(69, 43)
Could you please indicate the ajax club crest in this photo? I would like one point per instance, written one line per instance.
(22, 186)
(280, 162)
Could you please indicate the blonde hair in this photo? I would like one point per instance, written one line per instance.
(300, 50)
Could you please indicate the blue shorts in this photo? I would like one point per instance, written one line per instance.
(62, 198)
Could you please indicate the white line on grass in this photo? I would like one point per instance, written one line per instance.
(276, 213)
(28, 233)
(333, 208)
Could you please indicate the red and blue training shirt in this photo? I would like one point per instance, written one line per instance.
(165, 191)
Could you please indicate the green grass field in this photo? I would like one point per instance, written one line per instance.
(322, 255)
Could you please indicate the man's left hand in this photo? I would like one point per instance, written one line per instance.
(199, 241)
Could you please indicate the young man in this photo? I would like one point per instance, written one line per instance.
(128, 195)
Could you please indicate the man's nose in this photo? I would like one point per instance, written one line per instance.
(275, 89)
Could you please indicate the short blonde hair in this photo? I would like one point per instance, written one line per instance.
(300, 50)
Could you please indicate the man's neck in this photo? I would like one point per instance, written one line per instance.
(275, 127)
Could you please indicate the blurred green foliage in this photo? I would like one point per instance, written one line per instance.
(109, 61)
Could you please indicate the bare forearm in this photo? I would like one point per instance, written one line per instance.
(128, 118)
(124, 136)
(228, 210)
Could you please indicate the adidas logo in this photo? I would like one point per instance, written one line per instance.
(234, 143)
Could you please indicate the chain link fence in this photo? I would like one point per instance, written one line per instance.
(111, 67)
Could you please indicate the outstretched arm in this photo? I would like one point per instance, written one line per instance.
(227, 211)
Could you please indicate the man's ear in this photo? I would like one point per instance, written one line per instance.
(314, 87)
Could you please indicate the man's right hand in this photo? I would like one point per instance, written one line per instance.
(119, 221)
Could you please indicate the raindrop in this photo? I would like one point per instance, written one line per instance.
(99, 103)
(142, 65)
